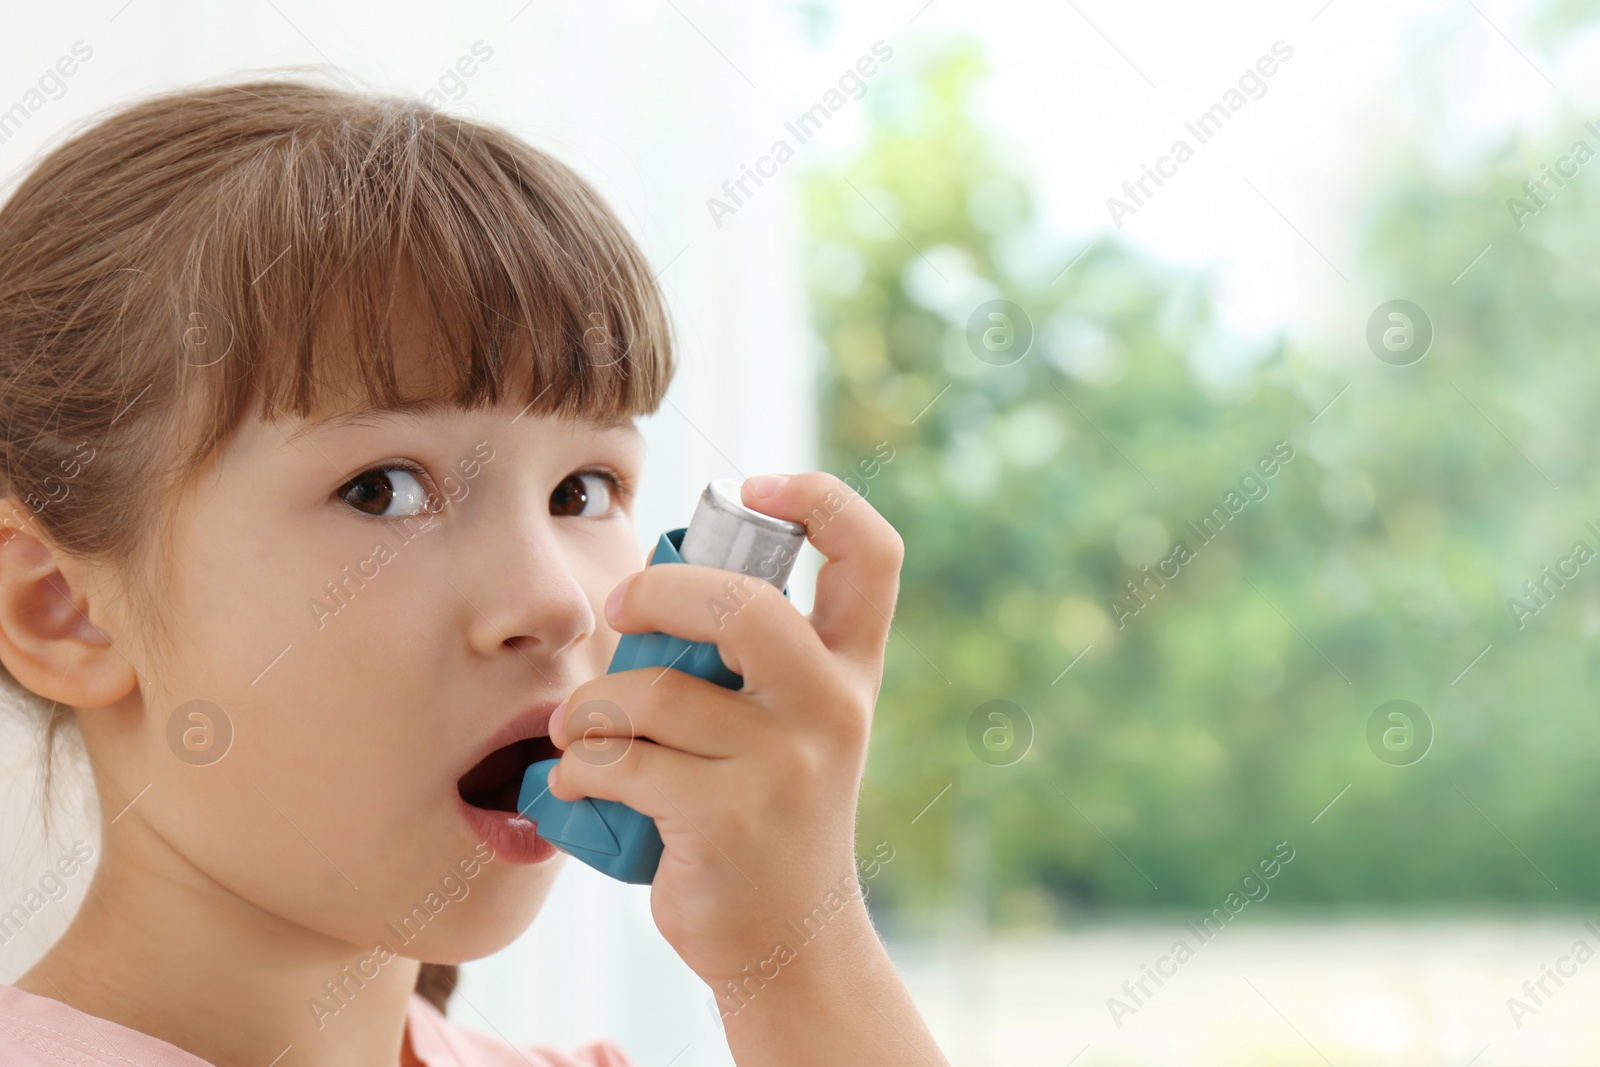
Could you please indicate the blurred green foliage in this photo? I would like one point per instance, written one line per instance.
(1229, 712)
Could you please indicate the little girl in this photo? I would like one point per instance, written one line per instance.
(317, 411)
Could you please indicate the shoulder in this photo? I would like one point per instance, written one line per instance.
(38, 1031)
(438, 1042)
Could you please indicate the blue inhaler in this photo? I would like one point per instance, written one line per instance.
(610, 836)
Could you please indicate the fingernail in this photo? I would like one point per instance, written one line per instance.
(614, 601)
(558, 725)
(550, 779)
(765, 485)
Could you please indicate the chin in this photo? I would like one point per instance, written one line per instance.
(495, 913)
(476, 940)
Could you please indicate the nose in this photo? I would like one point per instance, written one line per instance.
(529, 596)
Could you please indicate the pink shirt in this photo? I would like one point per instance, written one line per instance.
(40, 1031)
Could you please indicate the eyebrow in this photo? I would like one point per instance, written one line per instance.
(416, 409)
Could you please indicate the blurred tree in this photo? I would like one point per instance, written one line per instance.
(1218, 709)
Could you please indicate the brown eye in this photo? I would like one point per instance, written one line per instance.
(581, 495)
(386, 493)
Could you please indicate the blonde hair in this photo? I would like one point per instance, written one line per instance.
(228, 249)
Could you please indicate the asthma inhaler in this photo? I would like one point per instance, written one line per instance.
(610, 836)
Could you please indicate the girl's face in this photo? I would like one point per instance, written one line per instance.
(364, 607)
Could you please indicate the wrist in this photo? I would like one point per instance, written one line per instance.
(804, 965)
(837, 1000)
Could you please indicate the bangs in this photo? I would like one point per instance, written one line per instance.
(353, 214)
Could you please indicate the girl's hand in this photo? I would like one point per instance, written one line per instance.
(754, 792)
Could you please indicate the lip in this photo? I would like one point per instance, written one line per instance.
(532, 722)
(513, 837)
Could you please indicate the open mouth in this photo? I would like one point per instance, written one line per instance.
(493, 784)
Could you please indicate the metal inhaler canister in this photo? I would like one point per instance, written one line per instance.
(609, 836)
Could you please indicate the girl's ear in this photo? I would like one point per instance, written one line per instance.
(47, 640)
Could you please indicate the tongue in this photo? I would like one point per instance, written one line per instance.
(493, 784)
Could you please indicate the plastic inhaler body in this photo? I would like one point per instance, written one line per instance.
(610, 836)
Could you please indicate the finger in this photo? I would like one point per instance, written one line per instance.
(671, 708)
(684, 794)
(758, 633)
(654, 781)
(858, 585)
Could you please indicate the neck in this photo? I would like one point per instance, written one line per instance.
(175, 955)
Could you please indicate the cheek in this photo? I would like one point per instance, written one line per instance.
(604, 564)
(326, 704)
